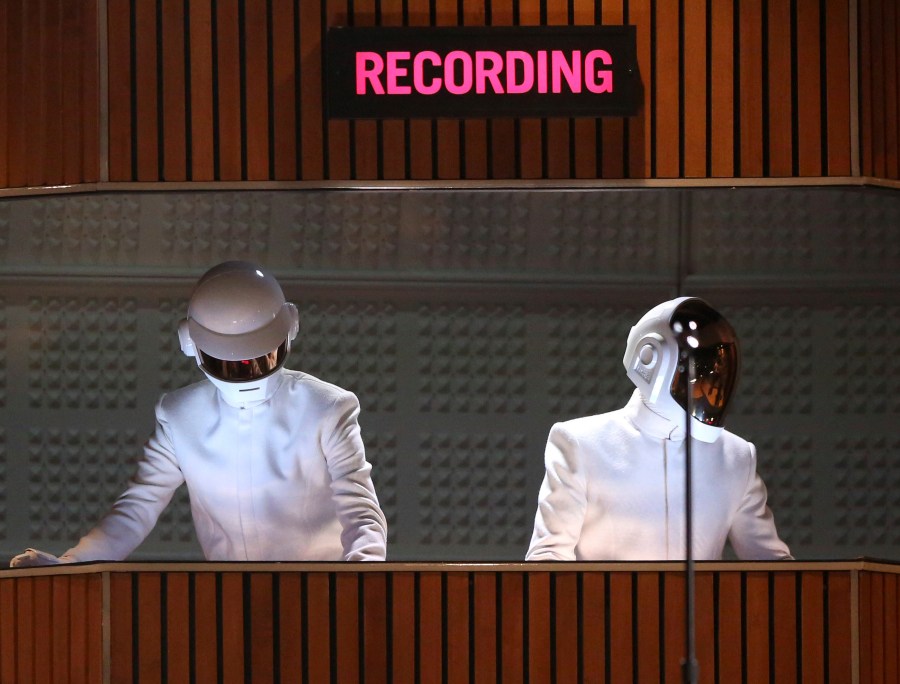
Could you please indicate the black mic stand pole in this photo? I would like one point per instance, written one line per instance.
(690, 667)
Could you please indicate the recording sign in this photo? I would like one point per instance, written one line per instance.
(461, 72)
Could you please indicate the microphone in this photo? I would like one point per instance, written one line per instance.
(687, 342)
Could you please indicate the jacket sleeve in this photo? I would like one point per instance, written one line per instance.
(562, 500)
(364, 528)
(135, 512)
(753, 535)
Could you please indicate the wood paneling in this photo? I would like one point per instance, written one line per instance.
(447, 624)
(232, 90)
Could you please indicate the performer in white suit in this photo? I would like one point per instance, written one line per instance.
(272, 458)
(614, 487)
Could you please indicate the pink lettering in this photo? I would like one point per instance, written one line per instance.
(369, 66)
(514, 57)
(419, 75)
(542, 71)
(395, 71)
(562, 69)
(591, 73)
(450, 82)
(484, 73)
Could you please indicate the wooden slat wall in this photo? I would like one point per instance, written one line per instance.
(49, 92)
(232, 90)
(455, 626)
(879, 69)
(50, 630)
(209, 90)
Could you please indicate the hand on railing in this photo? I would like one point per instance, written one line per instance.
(33, 557)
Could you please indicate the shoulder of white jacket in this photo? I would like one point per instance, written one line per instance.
(735, 444)
(298, 381)
(588, 424)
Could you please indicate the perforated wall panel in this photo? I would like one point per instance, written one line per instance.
(467, 322)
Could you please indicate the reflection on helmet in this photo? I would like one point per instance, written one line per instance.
(244, 370)
(709, 361)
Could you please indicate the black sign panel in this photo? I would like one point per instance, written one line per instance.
(461, 72)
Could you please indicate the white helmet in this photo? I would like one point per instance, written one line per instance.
(657, 357)
(239, 328)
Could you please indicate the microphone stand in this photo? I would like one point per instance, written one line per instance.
(690, 669)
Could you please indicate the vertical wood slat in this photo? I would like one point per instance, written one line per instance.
(256, 37)
(812, 619)
(52, 37)
(665, 91)
(403, 619)
(206, 625)
(621, 642)
(35, 110)
(60, 637)
(312, 141)
(121, 640)
(149, 626)
(695, 79)
(584, 136)
(120, 86)
(420, 142)
(430, 621)
(594, 659)
(809, 96)
(202, 120)
(613, 130)
(174, 134)
(722, 100)
(778, 78)
(475, 130)
(146, 85)
(892, 90)
(730, 613)
(484, 621)
(866, 666)
(262, 627)
(375, 612)
(565, 618)
(177, 653)
(512, 628)
(758, 642)
(228, 135)
(750, 107)
(838, 104)
(15, 102)
(784, 636)
(840, 628)
(876, 65)
(290, 626)
(78, 97)
(338, 131)
(4, 93)
(648, 617)
(705, 637)
(346, 606)
(673, 625)
(866, 88)
(318, 623)
(639, 140)
(538, 620)
(458, 648)
(285, 121)
(232, 628)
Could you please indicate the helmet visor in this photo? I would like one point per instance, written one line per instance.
(244, 370)
(709, 354)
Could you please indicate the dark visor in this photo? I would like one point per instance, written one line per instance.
(708, 341)
(246, 369)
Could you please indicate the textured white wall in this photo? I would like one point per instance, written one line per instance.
(467, 322)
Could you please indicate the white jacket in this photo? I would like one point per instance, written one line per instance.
(286, 479)
(614, 489)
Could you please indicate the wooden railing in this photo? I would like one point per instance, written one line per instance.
(380, 622)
